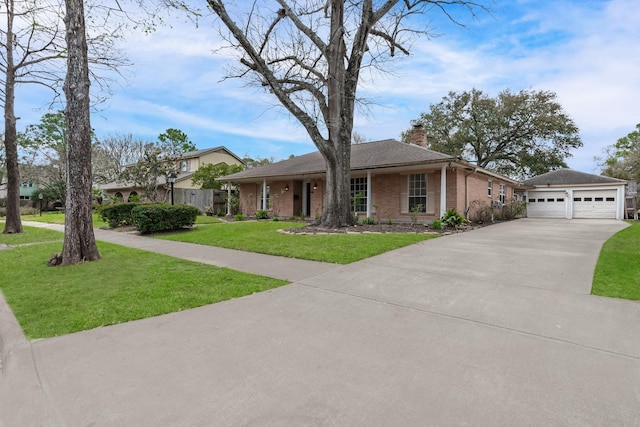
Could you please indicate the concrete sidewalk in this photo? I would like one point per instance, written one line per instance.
(290, 269)
(493, 327)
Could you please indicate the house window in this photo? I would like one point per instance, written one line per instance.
(503, 194)
(490, 188)
(184, 166)
(262, 201)
(417, 192)
(359, 194)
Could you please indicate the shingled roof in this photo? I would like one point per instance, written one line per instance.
(370, 155)
(570, 177)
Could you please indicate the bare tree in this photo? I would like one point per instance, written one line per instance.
(309, 54)
(28, 40)
(32, 51)
(79, 241)
(112, 153)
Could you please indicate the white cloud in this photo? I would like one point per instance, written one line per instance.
(584, 50)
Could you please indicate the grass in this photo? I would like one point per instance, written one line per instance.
(58, 218)
(618, 270)
(263, 237)
(30, 235)
(126, 284)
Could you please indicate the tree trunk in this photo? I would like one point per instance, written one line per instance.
(337, 151)
(337, 202)
(12, 224)
(79, 241)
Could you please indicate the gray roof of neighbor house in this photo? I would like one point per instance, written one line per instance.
(198, 153)
(570, 177)
(371, 155)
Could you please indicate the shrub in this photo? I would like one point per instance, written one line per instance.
(513, 209)
(117, 215)
(29, 211)
(368, 220)
(262, 214)
(436, 224)
(415, 211)
(238, 217)
(155, 217)
(481, 211)
(453, 218)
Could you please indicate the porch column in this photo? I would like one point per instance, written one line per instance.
(568, 203)
(228, 199)
(369, 195)
(622, 203)
(264, 194)
(443, 190)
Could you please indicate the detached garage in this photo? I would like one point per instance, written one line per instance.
(565, 193)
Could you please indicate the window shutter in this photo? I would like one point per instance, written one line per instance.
(404, 197)
(431, 194)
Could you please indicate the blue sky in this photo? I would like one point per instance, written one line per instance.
(586, 51)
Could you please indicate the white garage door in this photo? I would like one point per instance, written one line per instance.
(546, 204)
(594, 204)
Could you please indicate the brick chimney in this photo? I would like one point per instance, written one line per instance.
(418, 135)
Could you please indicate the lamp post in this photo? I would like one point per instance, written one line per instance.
(171, 178)
(40, 197)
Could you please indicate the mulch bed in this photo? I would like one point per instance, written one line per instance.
(381, 228)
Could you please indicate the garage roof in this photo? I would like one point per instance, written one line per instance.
(570, 177)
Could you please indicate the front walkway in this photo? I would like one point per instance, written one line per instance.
(290, 269)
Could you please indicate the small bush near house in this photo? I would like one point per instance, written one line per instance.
(117, 215)
(368, 221)
(513, 209)
(453, 218)
(436, 224)
(238, 217)
(155, 217)
(481, 212)
(262, 214)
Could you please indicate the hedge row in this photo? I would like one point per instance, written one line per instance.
(150, 217)
(118, 215)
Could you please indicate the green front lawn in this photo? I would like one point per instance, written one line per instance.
(126, 284)
(30, 235)
(264, 237)
(58, 218)
(618, 270)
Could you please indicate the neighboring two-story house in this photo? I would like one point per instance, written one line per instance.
(184, 190)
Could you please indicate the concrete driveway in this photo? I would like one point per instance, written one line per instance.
(486, 328)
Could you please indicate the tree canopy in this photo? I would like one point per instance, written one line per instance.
(516, 134)
(309, 55)
(207, 175)
(623, 158)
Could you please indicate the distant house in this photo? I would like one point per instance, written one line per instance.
(185, 190)
(566, 193)
(389, 180)
(27, 188)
